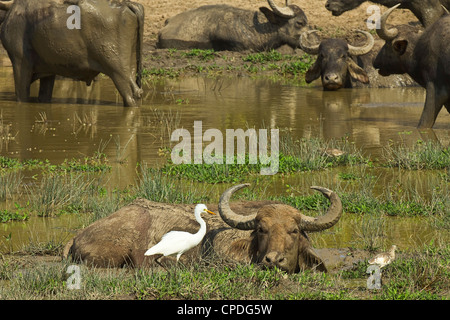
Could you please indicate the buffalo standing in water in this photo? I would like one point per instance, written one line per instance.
(424, 56)
(335, 64)
(40, 44)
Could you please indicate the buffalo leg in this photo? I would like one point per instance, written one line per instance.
(22, 79)
(433, 104)
(125, 87)
(46, 89)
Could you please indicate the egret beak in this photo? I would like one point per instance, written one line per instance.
(209, 211)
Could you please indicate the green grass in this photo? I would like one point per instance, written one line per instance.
(201, 54)
(272, 65)
(95, 163)
(420, 274)
(10, 182)
(154, 185)
(420, 156)
(302, 155)
(264, 57)
(19, 214)
(235, 172)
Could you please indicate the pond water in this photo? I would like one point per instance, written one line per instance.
(83, 120)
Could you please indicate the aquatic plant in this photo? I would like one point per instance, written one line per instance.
(58, 193)
(19, 214)
(10, 183)
(154, 185)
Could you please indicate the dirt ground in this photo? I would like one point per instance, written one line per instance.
(157, 11)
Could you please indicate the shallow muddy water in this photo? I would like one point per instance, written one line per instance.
(84, 120)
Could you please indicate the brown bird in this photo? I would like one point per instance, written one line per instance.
(383, 259)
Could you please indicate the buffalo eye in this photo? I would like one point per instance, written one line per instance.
(294, 231)
(261, 230)
(300, 24)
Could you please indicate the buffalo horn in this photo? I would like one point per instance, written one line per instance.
(383, 32)
(311, 49)
(329, 219)
(359, 51)
(232, 219)
(285, 12)
(6, 5)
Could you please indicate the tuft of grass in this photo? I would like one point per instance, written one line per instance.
(263, 57)
(421, 155)
(10, 183)
(154, 185)
(58, 193)
(202, 54)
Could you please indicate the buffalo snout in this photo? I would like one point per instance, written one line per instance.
(332, 81)
(275, 259)
(335, 9)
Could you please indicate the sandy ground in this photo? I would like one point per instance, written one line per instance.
(157, 11)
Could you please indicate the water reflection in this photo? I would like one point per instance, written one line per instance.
(82, 117)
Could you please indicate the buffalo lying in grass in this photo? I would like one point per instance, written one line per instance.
(268, 233)
(222, 27)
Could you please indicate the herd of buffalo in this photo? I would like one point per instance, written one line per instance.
(110, 41)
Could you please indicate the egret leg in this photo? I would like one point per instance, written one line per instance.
(160, 264)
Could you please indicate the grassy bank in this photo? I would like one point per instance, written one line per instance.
(289, 68)
(422, 274)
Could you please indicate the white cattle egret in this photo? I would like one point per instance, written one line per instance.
(178, 242)
(383, 259)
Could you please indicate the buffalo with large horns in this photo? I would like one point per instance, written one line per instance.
(422, 55)
(335, 64)
(427, 11)
(262, 232)
(223, 27)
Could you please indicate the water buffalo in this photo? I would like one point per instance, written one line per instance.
(424, 56)
(334, 63)
(41, 43)
(222, 27)
(263, 232)
(427, 11)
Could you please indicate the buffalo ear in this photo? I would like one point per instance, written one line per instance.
(400, 46)
(309, 260)
(270, 15)
(313, 73)
(243, 250)
(356, 71)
